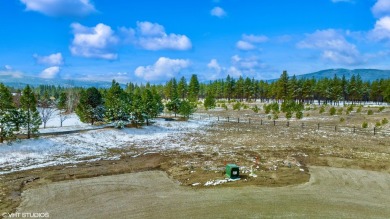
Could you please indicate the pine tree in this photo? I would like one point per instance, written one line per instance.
(187, 108)
(90, 108)
(193, 89)
(283, 87)
(137, 110)
(182, 88)
(174, 106)
(32, 120)
(8, 124)
(117, 104)
(209, 102)
(61, 106)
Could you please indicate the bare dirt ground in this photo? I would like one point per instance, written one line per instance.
(330, 193)
(349, 173)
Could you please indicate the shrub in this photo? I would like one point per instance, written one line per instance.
(275, 116)
(377, 124)
(299, 115)
(255, 109)
(359, 110)
(340, 111)
(381, 109)
(385, 121)
(269, 117)
(332, 111)
(275, 107)
(223, 105)
(322, 109)
(267, 108)
(288, 115)
(237, 106)
(342, 119)
(307, 115)
(350, 108)
(370, 112)
(245, 106)
(364, 125)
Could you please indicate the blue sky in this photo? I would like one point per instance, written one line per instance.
(150, 40)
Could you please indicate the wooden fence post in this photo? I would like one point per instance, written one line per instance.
(274, 123)
(261, 121)
(335, 128)
(228, 118)
(318, 126)
(218, 118)
(374, 130)
(238, 120)
(288, 123)
(249, 120)
(303, 125)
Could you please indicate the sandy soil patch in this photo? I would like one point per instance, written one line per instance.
(330, 193)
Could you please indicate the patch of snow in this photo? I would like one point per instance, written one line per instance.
(95, 145)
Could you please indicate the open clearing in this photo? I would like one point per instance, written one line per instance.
(330, 193)
(302, 171)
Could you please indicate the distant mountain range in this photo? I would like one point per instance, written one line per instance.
(20, 82)
(365, 74)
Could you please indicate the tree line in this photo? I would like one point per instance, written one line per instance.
(23, 111)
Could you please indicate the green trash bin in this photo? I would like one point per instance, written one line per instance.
(232, 171)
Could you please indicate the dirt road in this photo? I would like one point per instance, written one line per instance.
(331, 193)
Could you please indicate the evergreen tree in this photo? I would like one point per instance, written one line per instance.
(90, 108)
(150, 107)
(117, 104)
(283, 87)
(174, 106)
(9, 116)
(32, 120)
(193, 89)
(182, 88)
(61, 106)
(138, 108)
(229, 87)
(187, 108)
(209, 102)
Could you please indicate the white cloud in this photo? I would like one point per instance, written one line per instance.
(94, 42)
(333, 45)
(381, 30)
(248, 42)
(247, 63)
(234, 72)
(243, 45)
(218, 12)
(53, 59)
(381, 8)
(164, 68)
(213, 64)
(8, 67)
(152, 36)
(10, 72)
(150, 29)
(254, 38)
(50, 72)
(60, 7)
